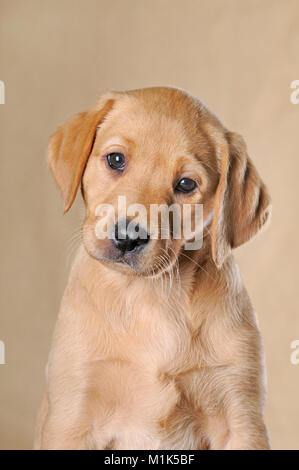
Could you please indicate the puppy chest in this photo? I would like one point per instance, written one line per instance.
(135, 388)
(151, 335)
(130, 402)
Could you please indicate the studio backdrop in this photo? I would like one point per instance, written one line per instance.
(241, 58)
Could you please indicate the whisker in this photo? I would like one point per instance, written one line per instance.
(197, 264)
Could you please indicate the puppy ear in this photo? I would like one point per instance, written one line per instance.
(70, 147)
(242, 204)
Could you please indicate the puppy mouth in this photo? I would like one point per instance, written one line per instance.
(129, 259)
(136, 262)
(123, 260)
(149, 259)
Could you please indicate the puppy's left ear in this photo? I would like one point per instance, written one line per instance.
(71, 145)
(242, 203)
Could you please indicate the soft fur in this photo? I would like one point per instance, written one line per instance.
(164, 353)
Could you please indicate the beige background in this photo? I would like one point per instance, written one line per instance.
(56, 58)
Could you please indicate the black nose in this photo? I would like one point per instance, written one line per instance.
(129, 236)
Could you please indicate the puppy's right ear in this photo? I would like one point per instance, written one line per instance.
(71, 145)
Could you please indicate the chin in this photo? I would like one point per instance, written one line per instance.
(123, 264)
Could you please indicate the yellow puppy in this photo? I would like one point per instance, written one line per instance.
(156, 346)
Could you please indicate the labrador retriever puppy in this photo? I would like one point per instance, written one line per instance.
(155, 346)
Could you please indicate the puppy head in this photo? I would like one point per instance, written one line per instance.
(161, 148)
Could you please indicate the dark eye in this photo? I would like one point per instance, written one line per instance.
(116, 161)
(186, 185)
